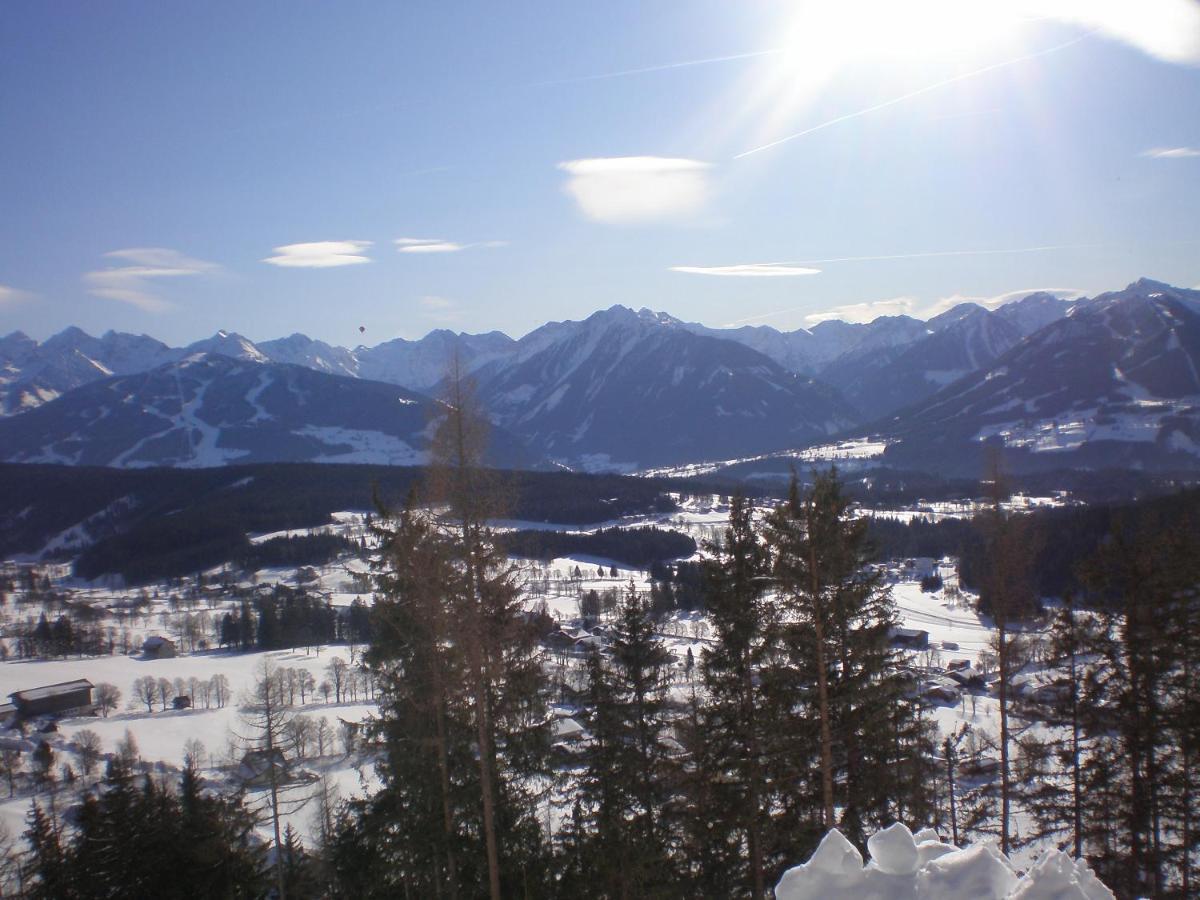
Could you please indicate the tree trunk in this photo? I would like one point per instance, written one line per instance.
(822, 686)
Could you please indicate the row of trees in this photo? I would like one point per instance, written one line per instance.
(1117, 780)
(290, 618)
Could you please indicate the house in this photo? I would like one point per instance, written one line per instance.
(567, 729)
(909, 638)
(920, 567)
(158, 647)
(968, 677)
(66, 698)
(590, 642)
(940, 691)
(256, 765)
(559, 639)
(980, 767)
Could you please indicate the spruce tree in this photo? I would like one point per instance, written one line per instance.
(738, 721)
(1146, 579)
(874, 747)
(630, 776)
(462, 726)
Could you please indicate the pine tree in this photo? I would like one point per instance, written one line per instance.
(414, 834)
(462, 723)
(738, 719)
(874, 748)
(1053, 768)
(46, 872)
(1142, 784)
(1007, 595)
(629, 779)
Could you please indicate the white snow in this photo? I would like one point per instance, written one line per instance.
(904, 867)
(365, 446)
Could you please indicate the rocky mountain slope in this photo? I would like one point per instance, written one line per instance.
(210, 410)
(1117, 382)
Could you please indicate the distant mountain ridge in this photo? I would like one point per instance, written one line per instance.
(627, 390)
(208, 409)
(1115, 383)
(33, 373)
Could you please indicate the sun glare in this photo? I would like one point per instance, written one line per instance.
(849, 32)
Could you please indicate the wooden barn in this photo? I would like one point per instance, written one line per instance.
(67, 698)
(158, 647)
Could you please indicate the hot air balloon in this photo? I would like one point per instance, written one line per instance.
(362, 328)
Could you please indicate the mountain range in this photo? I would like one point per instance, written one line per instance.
(1108, 380)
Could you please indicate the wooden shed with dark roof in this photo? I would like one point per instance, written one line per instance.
(68, 697)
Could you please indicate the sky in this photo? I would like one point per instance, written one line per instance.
(268, 168)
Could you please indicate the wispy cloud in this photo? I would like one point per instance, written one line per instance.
(437, 245)
(134, 282)
(426, 245)
(869, 311)
(1171, 152)
(748, 270)
(637, 189)
(320, 254)
(441, 309)
(661, 67)
(864, 312)
(11, 295)
(944, 303)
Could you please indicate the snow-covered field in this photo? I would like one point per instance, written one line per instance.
(957, 635)
(161, 735)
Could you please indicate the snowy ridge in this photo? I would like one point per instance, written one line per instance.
(921, 867)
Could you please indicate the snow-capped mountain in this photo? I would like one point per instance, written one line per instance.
(626, 390)
(896, 361)
(208, 410)
(301, 350)
(1116, 382)
(32, 374)
(808, 351)
(228, 343)
(421, 365)
(879, 382)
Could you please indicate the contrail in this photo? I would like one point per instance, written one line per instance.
(660, 68)
(918, 92)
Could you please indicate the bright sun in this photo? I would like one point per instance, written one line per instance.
(839, 33)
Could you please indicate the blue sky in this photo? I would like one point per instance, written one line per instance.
(543, 160)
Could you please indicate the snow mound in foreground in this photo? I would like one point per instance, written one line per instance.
(921, 867)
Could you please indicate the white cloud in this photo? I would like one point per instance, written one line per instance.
(320, 254)
(437, 245)
(909, 306)
(748, 270)
(426, 245)
(11, 295)
(1166, 29)
(1171, 152)
(134, 283)
(864, 312)
(635, 189)
(941, 305)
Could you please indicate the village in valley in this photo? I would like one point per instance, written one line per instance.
(171, 674)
